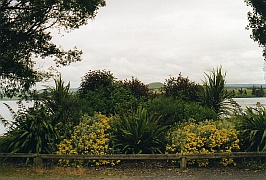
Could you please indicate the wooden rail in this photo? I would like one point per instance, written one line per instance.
(183, 157)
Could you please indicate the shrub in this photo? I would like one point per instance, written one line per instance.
(176, 110)
(91, 136)
(136, 87)
(253, 128)
(204, 137)
(138, 133)
(182, 88)
(104, 94)
(64, 107)
(94, 80)
(31, 131)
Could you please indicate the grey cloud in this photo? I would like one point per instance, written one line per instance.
(152, 39)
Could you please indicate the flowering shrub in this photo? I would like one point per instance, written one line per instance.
(91, 136)
(204, 137)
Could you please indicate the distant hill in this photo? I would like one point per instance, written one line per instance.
(155, 85)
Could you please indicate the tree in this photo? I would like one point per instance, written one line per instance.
(253, 90)
(257, 22)
(240, 91)
(138, 89)
(93, 80)
(182, 88)
(24, 35)
(103, 93)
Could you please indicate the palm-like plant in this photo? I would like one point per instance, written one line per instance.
(30, 131)
(254, 128)
(37, 129)
(139, 133)
(215, 93)
(64, 107)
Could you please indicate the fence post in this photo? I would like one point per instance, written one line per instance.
(38, 160)
(183, 163)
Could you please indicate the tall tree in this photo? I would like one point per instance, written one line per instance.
(25, 35)
(257, 22)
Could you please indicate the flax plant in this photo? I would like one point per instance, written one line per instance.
(254, 128)
(138, 133)
(215, 93)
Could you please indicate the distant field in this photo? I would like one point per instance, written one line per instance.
(248, 93)
(11, 99)
(159, 85)
(229, 87)
(237, 86)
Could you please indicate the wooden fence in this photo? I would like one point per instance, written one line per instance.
(183, 157)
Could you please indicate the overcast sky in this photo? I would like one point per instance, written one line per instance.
(153, 39)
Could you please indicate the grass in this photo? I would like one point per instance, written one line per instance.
(9, 99)
(247, 95)
(128, 169)
(22, 171)
(155, 85)
(123, 170)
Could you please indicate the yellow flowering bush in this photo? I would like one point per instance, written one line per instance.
(204, 137)
(91, 136)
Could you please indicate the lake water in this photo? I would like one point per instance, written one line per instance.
(243, 102)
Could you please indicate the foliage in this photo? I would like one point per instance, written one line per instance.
(31, 131)
(138, 133)
(55, 112)
(175, 110)
(215, 92)
(65, 107)
(257, 21)
(104, 94)
(203, 137)
(137, 88)
(91, 136)
(94, 80)
(257, 92)
(253, 126)
(182, 88)
(25, 37)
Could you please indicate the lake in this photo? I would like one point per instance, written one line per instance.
(243, 102)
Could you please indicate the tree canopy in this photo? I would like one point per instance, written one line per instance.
(257, 22)
(182, 88)
(25, 36)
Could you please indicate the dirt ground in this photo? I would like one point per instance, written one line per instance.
(136, 171)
